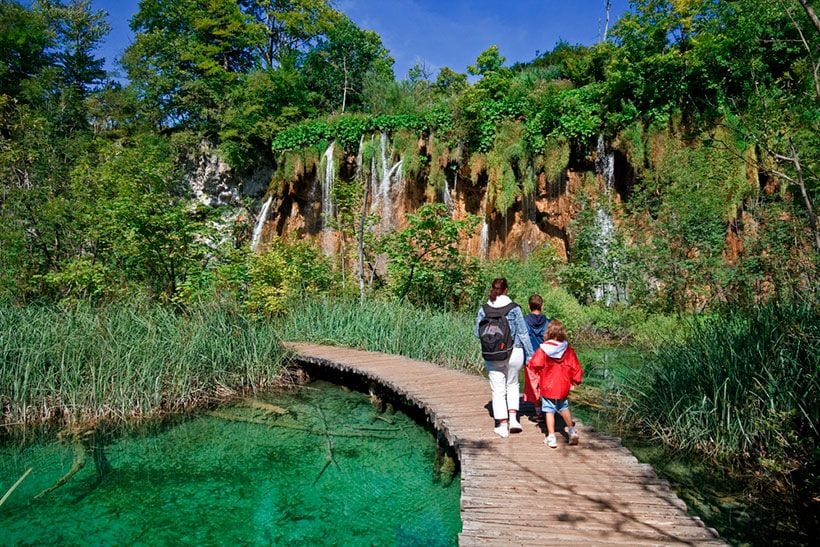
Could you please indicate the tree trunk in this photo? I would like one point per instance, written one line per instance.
(811, 14)
(344, 90)
(806, 197)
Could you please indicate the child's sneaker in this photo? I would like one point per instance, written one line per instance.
(502, 431)
(550, 441)
(573, 435)
(515, 426)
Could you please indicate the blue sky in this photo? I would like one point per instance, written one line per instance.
(439, 33)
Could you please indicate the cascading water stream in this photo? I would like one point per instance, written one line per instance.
(384, 179)
(609, 172)
(385, 165)
(606, 292)
(384, 186)
(374, 184)
(260, 223)
(329, 172)
(387, 207)
(485, 230)
(604, 259)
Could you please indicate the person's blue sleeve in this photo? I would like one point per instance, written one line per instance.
(522, 332)
(478, 319)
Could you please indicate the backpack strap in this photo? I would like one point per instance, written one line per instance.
(492, 311)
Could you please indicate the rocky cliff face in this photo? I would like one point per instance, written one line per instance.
(574, 204)
(544, 216)
(301, 200)
(212, 182)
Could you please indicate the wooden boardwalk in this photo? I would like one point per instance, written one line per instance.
(518, 491)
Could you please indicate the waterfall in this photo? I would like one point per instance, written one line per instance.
(604, 261)
(260, 223)
(384, 181)
(374, 184)
(384, 178)
(609, 172)
(385, 161)
(485, 229)
(327, 199)
(446, 195)
(387, 206)
(449, 198)
(607, 291)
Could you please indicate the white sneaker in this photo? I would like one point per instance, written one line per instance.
(502, 431)
(515, 426)
(573, 435)
(550, 441)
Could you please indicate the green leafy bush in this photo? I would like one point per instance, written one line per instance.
(285, 272)
(425, 265)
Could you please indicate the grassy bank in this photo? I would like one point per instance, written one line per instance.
(742, 389)
(126, 361)
(730, 414)
(441, 337)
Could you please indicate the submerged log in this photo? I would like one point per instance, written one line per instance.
(14, 487)
(234, 418)
(78, 463)
(267, 407)
(85, 439)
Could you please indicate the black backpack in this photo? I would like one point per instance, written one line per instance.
(495, 334)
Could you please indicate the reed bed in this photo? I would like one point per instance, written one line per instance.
(741, 388)
(125, 362)
(445, 338)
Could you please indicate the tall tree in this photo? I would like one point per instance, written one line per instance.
(186, 56)
(25, 43)
(338, 66)
(286, 27)
(79, 30)
(49, 73)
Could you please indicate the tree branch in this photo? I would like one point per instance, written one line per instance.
(815, 64)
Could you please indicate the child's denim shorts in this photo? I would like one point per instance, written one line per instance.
(554, 405)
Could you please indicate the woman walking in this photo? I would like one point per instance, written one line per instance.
(505, 344)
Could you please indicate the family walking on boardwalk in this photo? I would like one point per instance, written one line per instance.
(510, 341)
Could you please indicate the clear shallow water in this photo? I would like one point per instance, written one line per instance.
(251, 479)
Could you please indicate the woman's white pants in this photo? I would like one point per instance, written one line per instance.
(504, 383)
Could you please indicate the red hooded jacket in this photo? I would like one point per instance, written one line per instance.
(557, 368)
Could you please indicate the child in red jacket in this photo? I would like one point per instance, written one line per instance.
(558, 369)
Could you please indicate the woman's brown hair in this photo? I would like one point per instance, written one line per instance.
(498, 288)
(556, 331)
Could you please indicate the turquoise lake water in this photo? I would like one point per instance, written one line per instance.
(330, 470)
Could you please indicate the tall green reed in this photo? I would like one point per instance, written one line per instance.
(742, 388)
(445, 338)
(125, 360)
